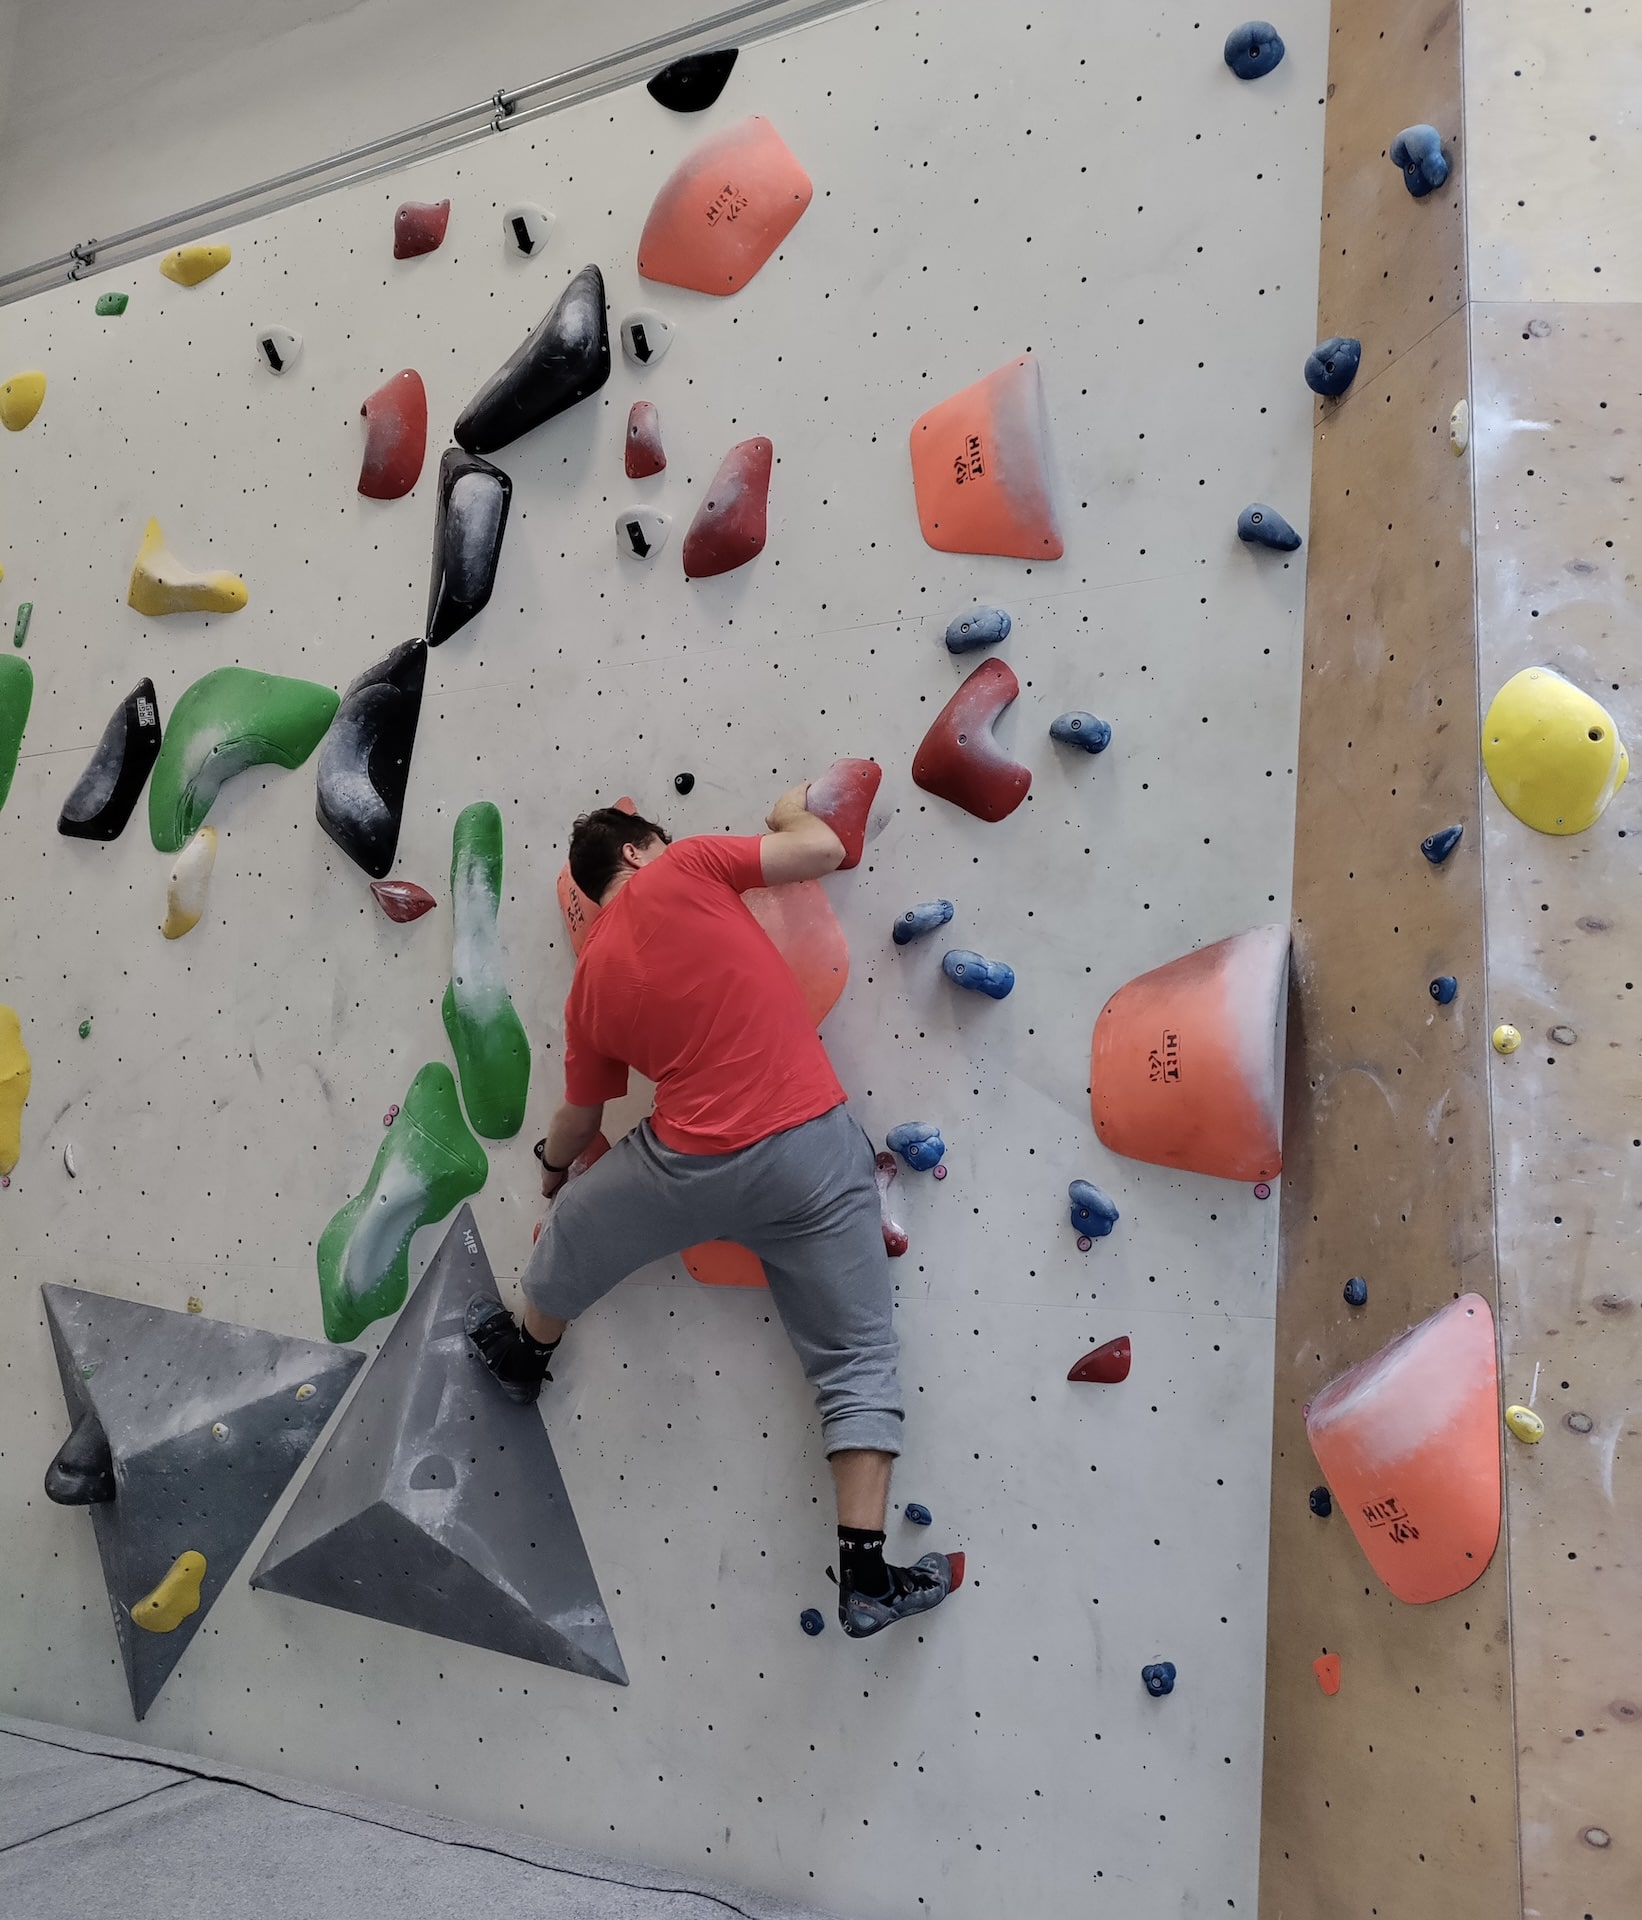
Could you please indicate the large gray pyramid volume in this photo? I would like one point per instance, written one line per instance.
(438, 1503)
(185, 1433)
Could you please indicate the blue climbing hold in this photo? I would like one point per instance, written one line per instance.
(1439, 845)
(1260, 526)
(980, 627)
(995, 978)
(918, 1143)
(919, 1516)
(1093, 1212)
(1443, 988)
(1322, 1502)
(1158, 1678)
(1081, 730)
(1253, 49)
(812, 1623)
(1418, 151)
(1356, 1292)
(917, 921)
(1332, 364)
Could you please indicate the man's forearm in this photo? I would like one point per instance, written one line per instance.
(570, 1132)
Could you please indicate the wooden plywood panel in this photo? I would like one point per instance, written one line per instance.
(1558, 422)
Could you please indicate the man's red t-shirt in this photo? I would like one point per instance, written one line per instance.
(677, 979)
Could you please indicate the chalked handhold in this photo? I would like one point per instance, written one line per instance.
(396, 436)
(959, 759)
(994, 978)
(177, 1596)
(918, 1143)
(1444, 988)
(364, 760)
(1418, 151)
(692, 84)
(1332, 364)
(188, 266)
(16, 1077)
(278, 348)
(1459, 427)
(645, 454)
(979, 627)
(1321, 1502)
(729, 526)
(920, 1516)
(563, 360)
(641, 532)
(161, 584)
(485, 1032)
(468, 524)
(403, 900)
(1106, 1365)
(1553, 754)
(1506, 1038)
(112, 303)
(1253, 49)
(1525, 1424)
(1355, 1291)
(843, 797)
(684, 783)
(645, 336)
(724, 209)
(980, 469)
(1093, 1212)
(811, 1621)
(102, 798)
(1158, 1678)
(186, 888)
(1439, 845)
(526, 228)
(895, 1235)
(1261, 526)
(82, 1473)
(419, 227)
(917, 921)
(1081, 730)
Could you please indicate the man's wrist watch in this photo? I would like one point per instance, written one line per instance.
(540, 1151)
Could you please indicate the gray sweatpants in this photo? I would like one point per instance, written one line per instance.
(805, 1201)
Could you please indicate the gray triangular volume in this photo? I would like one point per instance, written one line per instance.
(205, 1423)
(438, 1503)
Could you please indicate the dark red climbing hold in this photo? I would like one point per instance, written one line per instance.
(644, 450)
(811, 1621)
(419, 227)
(729, 526)
(396, 436)
(843, 797)
(1107, 1365)
(956, 1562)
(1321, 1501)
(403, 900)
(959, 760)
(692, 84)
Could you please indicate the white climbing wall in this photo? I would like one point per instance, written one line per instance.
(1091, 185)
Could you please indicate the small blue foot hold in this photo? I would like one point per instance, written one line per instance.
(1253, 49)
(919, 1516)
(812, 1623)
(1093, 1212)
(1439, 845)
(1331, 366)
(917, 921)
(1261, 526)
(1443, 988)
(1158, 1678)
(1418, 151)
(918, 1143)
(1321, 1501)
(1081, 730)
(1355, 1291)
(995, 978)
(980, 627)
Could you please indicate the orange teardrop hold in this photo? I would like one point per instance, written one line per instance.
(724, 209)
(980, 469)
(1186, 1069)
(1327, 1669)
(1409, 1442)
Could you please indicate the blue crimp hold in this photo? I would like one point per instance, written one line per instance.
(1332, 365)
(1418, 151)
(919, 1516)
(1262, 526)
(1439, 845)
(1158, 1678)
(1093, 1212)
(918, 1143)
(1443, 988)
(917, 921)
(1355, 1291)
(812, 1623)
(995, 978)
(1253, 49)
(980, 627)
(1081, 730)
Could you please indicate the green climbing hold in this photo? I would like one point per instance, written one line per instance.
(426, 1164)
(486, 1035)
(85, 1029)
(16, 696)
(108, 303)
(232, 719)
(25, 613)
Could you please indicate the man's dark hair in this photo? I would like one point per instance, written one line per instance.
(596, 841)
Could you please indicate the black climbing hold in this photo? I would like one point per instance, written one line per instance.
(105, 793)
(82, 1475)
(919, 1516)
(1322, 1502)
(1443, 988)
(1081, 730)
(467, 540)
(692, 84)
(1418, 151)
(1439, 845)
(1332, 364)
(1158, 1678)
(364, 760)
(812, 1623)
(1262, 526)
(564, 360)
(1253, 49)
(1355, 1291)
(684, 782)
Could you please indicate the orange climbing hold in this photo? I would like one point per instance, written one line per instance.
(1409, 1443)
(1327, 1669)
(721, 1263)
(724, 209)
(1186, 1069)
(980, 469)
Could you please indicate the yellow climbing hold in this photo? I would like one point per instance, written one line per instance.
(188, 266)
(1553, 753)
(1525, 1424)
(160, 583)
(15, 1074)
(20, 399)
(195, 1304)
(175, 1598)
(1506, 1038)
(190, 876)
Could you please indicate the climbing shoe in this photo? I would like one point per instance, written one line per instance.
(514, 1361)
(913, 1589)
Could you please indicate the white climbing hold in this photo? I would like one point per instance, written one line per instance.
(306, 1391)
(277, 348)
(645, 336)
(526, 228)
(641, 532)
(1459, 427)
(218, 1430)
(68, 1163)
(185, 896)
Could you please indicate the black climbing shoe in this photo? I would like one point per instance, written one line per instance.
(513, 1360)
(913, 1589)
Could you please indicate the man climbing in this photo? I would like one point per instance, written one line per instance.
(750, 1141)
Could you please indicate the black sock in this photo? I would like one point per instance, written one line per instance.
(523, 1358)
(534, 1347)
(861, 1562)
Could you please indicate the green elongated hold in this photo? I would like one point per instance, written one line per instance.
(428, 1162)
(232, 719)
(25, 613)
(486, 1034)
(112, 302)
(16, 697)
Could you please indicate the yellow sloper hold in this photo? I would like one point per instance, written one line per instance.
(160, 583)
(175, 1598)
(1525, 1424)
(1553, 753)
(185, 896)
(20, 400)
(15, 1075)
(188, 266)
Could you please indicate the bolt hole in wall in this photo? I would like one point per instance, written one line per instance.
(976, 203)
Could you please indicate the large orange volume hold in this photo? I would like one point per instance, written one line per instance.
(724, 209)
(980, 469)
(1186, 1069)
(1409, 1442)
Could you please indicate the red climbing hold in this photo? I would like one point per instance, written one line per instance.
(419, 227)
(724, 209)
(980, 469)
(1108, 1364)
(396, 436)
(728, 529)
(956, 1562)
(1327, 1669)
(843, 797)
(895, 1235)
(960, 760)
(403, 900)
(721, 1263)
(644, 449)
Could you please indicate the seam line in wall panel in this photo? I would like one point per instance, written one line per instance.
(85, 1819)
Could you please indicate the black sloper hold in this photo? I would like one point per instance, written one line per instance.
(82, 1475)
(113, 781)
(692, 84)
(467, 540)
(364, 761)
(564, 360)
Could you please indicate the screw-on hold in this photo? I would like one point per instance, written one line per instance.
(1439, 845)
(1158, 1679)
(1506, 1038)
(811, 1621)
(684, 782)
(1444, 988)
(1321, 1502)
(85, 1029)
(1525, 1424)
(1355, 1291)
(919, 1516)
(1262, 1190)
(219, 1430)
(195, 1304)
(306, 1391)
